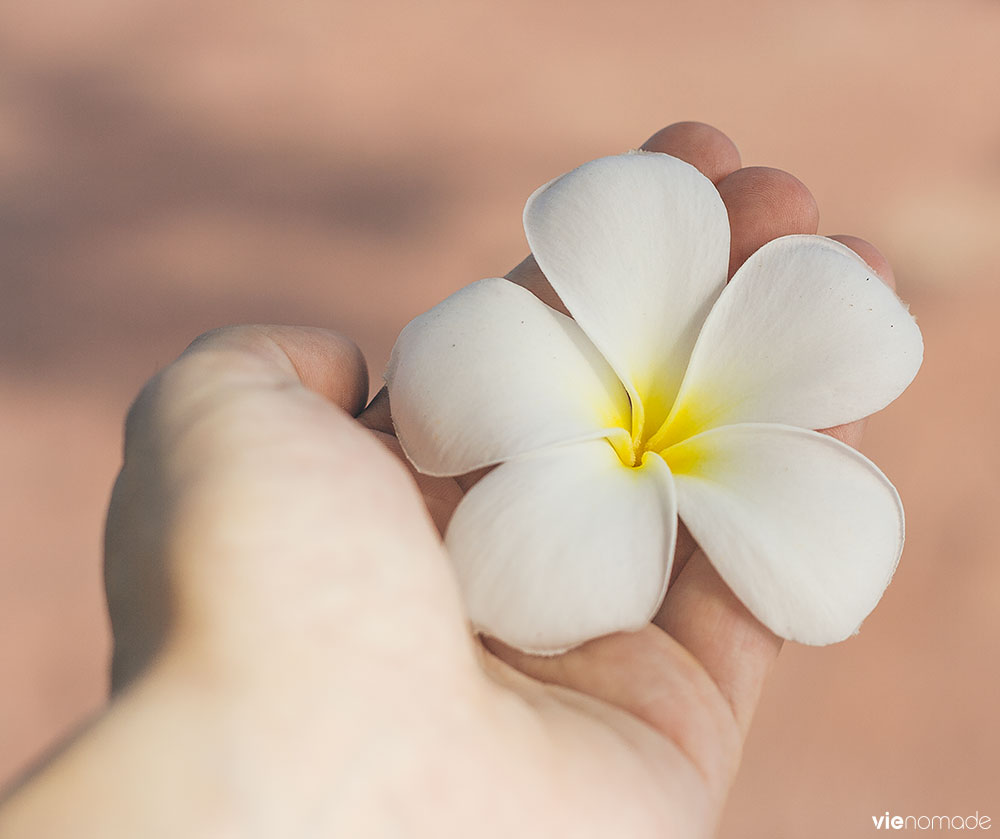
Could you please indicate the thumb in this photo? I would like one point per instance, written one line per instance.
(251, 511)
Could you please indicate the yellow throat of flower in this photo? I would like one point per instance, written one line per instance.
(657, 427)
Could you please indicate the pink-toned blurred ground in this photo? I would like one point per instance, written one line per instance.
(166, 167)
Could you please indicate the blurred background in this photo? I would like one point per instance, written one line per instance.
(167, 167)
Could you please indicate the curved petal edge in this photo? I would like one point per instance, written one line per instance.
(805, 334)
(806, 531)
(561, 546)
(491, 373)
(637, 247)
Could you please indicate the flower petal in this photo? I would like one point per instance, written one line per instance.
(805, 334)
(492, 372)
(565, 545)
(637, 247)
(803, 529)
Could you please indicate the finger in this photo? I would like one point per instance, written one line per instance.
(653, 678)
(736, 650)
(764, 204)
(320, 359)
(703, 146)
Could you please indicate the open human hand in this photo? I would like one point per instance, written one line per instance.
(291, 653)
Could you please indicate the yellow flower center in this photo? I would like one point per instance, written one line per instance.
(670, 426)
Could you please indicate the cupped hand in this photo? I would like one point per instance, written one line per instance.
(291, 655)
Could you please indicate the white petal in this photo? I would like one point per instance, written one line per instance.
(803, 529)
(637, 247)
(565, 545)
(492, 372)
(805, 334)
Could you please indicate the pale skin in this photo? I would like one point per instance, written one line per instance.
(291, 655)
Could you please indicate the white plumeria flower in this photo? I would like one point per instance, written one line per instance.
(671, 393)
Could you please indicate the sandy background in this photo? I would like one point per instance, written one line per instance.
(166, 167)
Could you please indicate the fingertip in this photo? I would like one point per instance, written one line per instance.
(699, 144)
(763, 204)
(323, 361)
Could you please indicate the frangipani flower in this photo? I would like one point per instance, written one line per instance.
(669, 393)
